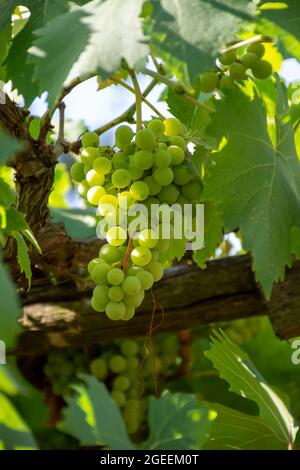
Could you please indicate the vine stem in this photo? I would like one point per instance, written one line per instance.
(138, 100)
(170, 83)
(144, 99)
(248, 42)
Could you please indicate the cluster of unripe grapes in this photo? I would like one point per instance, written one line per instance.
(234, 67)
(61, 369)
(149, 168)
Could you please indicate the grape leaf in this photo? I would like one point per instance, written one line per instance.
(93, 418)
(192, 32)
(213, 234)
(256, 184)
(8, 146)
(274, 427)
(79, 223)
(10, 309)
(23, 256)
(99, 35)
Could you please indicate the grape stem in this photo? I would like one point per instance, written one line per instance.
(127, 254)
(132, 90)
(248, 42)
(138, 100)
(170, 83)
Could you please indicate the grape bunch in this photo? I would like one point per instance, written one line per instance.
(234, 68)
(61, 369)
(149, 168)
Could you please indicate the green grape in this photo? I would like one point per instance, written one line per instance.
(163, 176)
(117, 364)
(90, 139)
(162, 245)
(144, 159)
(135, 172)
(120, 161)
(141, 256)
(102, 165)
(173, 127)
(115, 310)
(238, 71)
(121, 178)
(98, 305)
(162, 146)
(133, 270)
(98, 368)
(156, 126)
(124, 135)
(168, 194)
(95, 194)
(156, 269)
(121, 383)
(118, 397)
(99, 273)
(134, 301)
(110, 254)
(145, 139)
(100, 294)
(115, 293)
(83, 188)
(108, 205)
(228, 57)
(226, 81)
(258, 49)
(178, 141)
(94, 179)
(116, 236)
(162, 158)
(182, 174)
(192, 190)
(115, 276)
(125, 199)
(93, 263)
(249, 59)
(139, 190)
(130, 149)
(147, 238)
(130, 348)
(89, 154)
(129, 314)
(262, 70)
(77, 172)
(154, 187)
(146, 279)
(131, 285)
(209, 81)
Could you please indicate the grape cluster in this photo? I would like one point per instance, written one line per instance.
(234, 68)
(148, 168)
(62, 367)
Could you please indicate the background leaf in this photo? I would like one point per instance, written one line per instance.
(10, 310)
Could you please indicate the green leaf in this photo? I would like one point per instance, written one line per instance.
(213, 234)
(177, 422)
(61, 185)
(23, 257)
(93, 418)
(273, 428)
(79, 223)
(8, 146)
(192, 32)
(7, 195)
(176, 250)
(10, 310)
(95, 43)
(256, 184)
(17, 223)
(14, 433)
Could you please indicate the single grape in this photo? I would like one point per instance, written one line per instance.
(144, 159)
(94, 195)
(77, 172)
(116, 236)
(154, 187)
(226, 81)
(115, 276)
(90, 139)
(100, 294)
(178, 141)
(162, 158)
(258, 49)
(98, 368)
(141, 256)
(209, 81)
(249, 59)
(163, 176)
(115, 293)
(109, 253)
(115, 310)
(192, 190)
(135, 172)
(108, 205)
(262, 70)
(97, 305)
(228, 57)
(83, 188)
(168, 194)
(118, 397)
(139, 190)
(120, 161)
(145, 139)
(129, 348)
(147, 238)
(131, 285)
(99, 273)
(102, 165)
(173, 127)
(121, 178)
(134, 301)
(121, 383)
(93, 263)
(89, 155)
(94, 179)
(146, 279)
(117, 364)
(129, 314)
(130, 149)
(156, 126)
(123, 136)
(182, 174)
(156, 269)
(238, 71)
